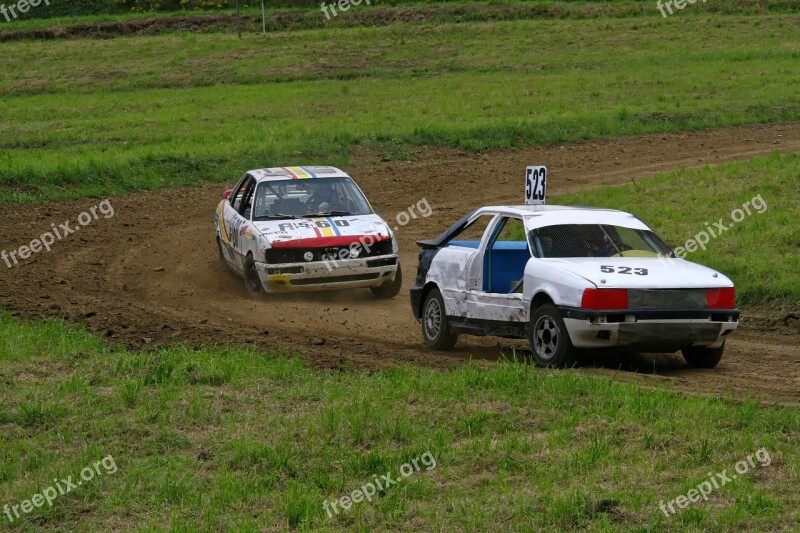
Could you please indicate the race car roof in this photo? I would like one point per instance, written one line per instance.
(543, 215)
(548, 215)
(297, 173)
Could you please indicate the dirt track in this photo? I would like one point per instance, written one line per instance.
(149, 275)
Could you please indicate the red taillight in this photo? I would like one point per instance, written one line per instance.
(227, 194)
(603, 299)
(721, 298)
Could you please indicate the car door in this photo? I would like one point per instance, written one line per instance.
(235, 218)
(496, 273)
(451, 268)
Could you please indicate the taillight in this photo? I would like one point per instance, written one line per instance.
(227, 194)
(724, 298)
(603, 299)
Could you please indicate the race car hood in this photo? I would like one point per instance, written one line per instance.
(323, 231)
(642, 273)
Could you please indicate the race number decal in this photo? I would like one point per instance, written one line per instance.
(535, 185)
(624, 270)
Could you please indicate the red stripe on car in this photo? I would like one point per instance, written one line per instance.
(322, 242)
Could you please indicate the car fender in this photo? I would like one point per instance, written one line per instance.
(561, 285)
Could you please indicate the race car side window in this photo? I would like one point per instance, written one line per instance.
(236, 196)
(506, 257)
(472, 234)
(247, 199)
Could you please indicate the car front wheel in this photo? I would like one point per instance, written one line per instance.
(251, 280)
(702, 356)
(222, 261)
(390, 290)
(435, 331)
(550, 342)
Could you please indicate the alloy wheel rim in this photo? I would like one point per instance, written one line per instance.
(433, 319)
(546, 337)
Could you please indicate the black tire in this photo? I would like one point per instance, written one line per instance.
(390, 290)
(703, 357)
(550, 342)
(222, 260)
(251, 280)
(435, 331)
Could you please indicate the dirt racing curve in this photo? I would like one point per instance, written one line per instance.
(150, 275)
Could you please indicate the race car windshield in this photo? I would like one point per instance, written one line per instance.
(286, 199)
(596, 240)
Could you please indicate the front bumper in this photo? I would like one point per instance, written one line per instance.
(324, 275)
(658, 331)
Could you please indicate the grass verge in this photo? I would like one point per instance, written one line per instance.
(291, 15)
(237, 439)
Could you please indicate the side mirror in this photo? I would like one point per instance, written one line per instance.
(227, 194)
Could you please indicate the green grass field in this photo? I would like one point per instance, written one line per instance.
(231, 438)
(91, 117)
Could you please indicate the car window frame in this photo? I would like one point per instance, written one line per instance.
(497, 227)
(468, 225)
(236, 189)
(247, 194)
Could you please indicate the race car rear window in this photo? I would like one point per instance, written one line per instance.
(595, 240)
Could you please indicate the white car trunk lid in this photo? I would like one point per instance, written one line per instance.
(642, 273)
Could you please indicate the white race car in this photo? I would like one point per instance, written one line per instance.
(305, 228)
(569, 278)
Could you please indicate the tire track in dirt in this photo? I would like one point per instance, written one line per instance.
(149, 276)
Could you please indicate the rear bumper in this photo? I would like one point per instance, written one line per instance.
(321, 275)
(650, 330)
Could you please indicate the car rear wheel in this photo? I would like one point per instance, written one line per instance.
(550, 342)
(251, 280)
(390, 290)
(702, 356)
(435, 331)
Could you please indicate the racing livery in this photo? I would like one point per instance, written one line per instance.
(305, 228)
(569, 278)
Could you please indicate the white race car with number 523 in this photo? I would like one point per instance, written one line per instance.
(569, 278)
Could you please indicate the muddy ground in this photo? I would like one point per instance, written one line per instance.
(150, 275)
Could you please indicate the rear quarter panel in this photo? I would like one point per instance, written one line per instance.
(562, 286)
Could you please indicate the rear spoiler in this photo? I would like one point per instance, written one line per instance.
(431, 243)
(447, 235)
